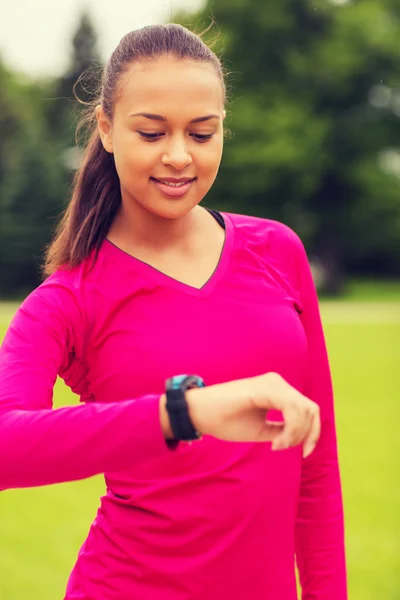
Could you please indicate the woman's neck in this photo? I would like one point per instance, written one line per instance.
(143, 231)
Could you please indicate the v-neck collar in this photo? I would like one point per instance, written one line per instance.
(171, 282)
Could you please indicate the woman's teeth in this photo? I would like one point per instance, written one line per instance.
(180, 184)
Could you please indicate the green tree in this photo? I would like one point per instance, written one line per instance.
(85, 61)
(315, 109)
(37, 125)
(31, 183)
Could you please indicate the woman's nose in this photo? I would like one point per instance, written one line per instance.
(177, 155)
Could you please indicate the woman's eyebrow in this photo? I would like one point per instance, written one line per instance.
(160, 118)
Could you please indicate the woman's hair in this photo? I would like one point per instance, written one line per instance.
(96, 195)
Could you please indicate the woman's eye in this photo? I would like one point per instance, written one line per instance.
(150, 136)
(201, 137)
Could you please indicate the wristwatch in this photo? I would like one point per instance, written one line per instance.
(177, 406)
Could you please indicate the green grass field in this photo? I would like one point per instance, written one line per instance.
(41, 529)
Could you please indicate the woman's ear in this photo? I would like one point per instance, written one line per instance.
(104, 129)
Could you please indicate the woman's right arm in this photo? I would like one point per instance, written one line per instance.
(40, 446)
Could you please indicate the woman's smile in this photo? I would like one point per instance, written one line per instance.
(173, 188)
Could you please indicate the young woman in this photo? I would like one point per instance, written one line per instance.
(148, 296)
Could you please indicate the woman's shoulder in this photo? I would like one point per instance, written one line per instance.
(270, 231)
(61, 295)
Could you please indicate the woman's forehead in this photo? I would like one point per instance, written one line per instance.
(147, 85)
(170, 63)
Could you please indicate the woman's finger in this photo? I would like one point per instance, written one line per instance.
(313, 435)
(290, 430)
(298, 423)
(271, 430)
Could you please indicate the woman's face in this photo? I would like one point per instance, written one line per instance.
(166, 134)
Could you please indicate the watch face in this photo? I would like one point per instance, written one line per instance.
(178, 380)
(194, 382)
(189, 381)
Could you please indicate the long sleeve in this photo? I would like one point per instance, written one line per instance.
(320, 551)
(39, 445)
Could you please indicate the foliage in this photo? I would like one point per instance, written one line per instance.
(31, 183)
(315, 121)
(315, 118)
(84, 71)
(37, 123)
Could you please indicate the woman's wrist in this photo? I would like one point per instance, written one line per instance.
(191, 398)
(207, 405)
(164, 419)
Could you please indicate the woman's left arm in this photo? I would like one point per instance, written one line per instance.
(320, 553)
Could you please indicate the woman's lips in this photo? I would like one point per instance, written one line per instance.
(173, 191)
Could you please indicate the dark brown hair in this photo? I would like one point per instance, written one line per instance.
(96, 195)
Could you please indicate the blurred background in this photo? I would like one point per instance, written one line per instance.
(314, 115)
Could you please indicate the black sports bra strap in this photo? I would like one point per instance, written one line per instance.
(217, 216)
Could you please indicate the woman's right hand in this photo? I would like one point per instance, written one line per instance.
(237, 411)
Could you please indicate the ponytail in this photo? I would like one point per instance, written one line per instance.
(95, 201)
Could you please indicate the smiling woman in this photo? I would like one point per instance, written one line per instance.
(181, 184)
(157, 137)
(146, 288)
(159, 157)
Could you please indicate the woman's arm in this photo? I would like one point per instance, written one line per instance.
(320, 551)
(40, 446)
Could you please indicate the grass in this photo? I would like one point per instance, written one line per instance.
(368, 290)
(42, 529)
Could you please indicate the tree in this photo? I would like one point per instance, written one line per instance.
(85, 59)
(311, 124)
(31, 183)
(35, 136)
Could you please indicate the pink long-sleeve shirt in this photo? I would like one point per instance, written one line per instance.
(214, 519)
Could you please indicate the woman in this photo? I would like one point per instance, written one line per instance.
(145, 285)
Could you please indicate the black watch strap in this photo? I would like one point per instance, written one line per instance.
(177, 407)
